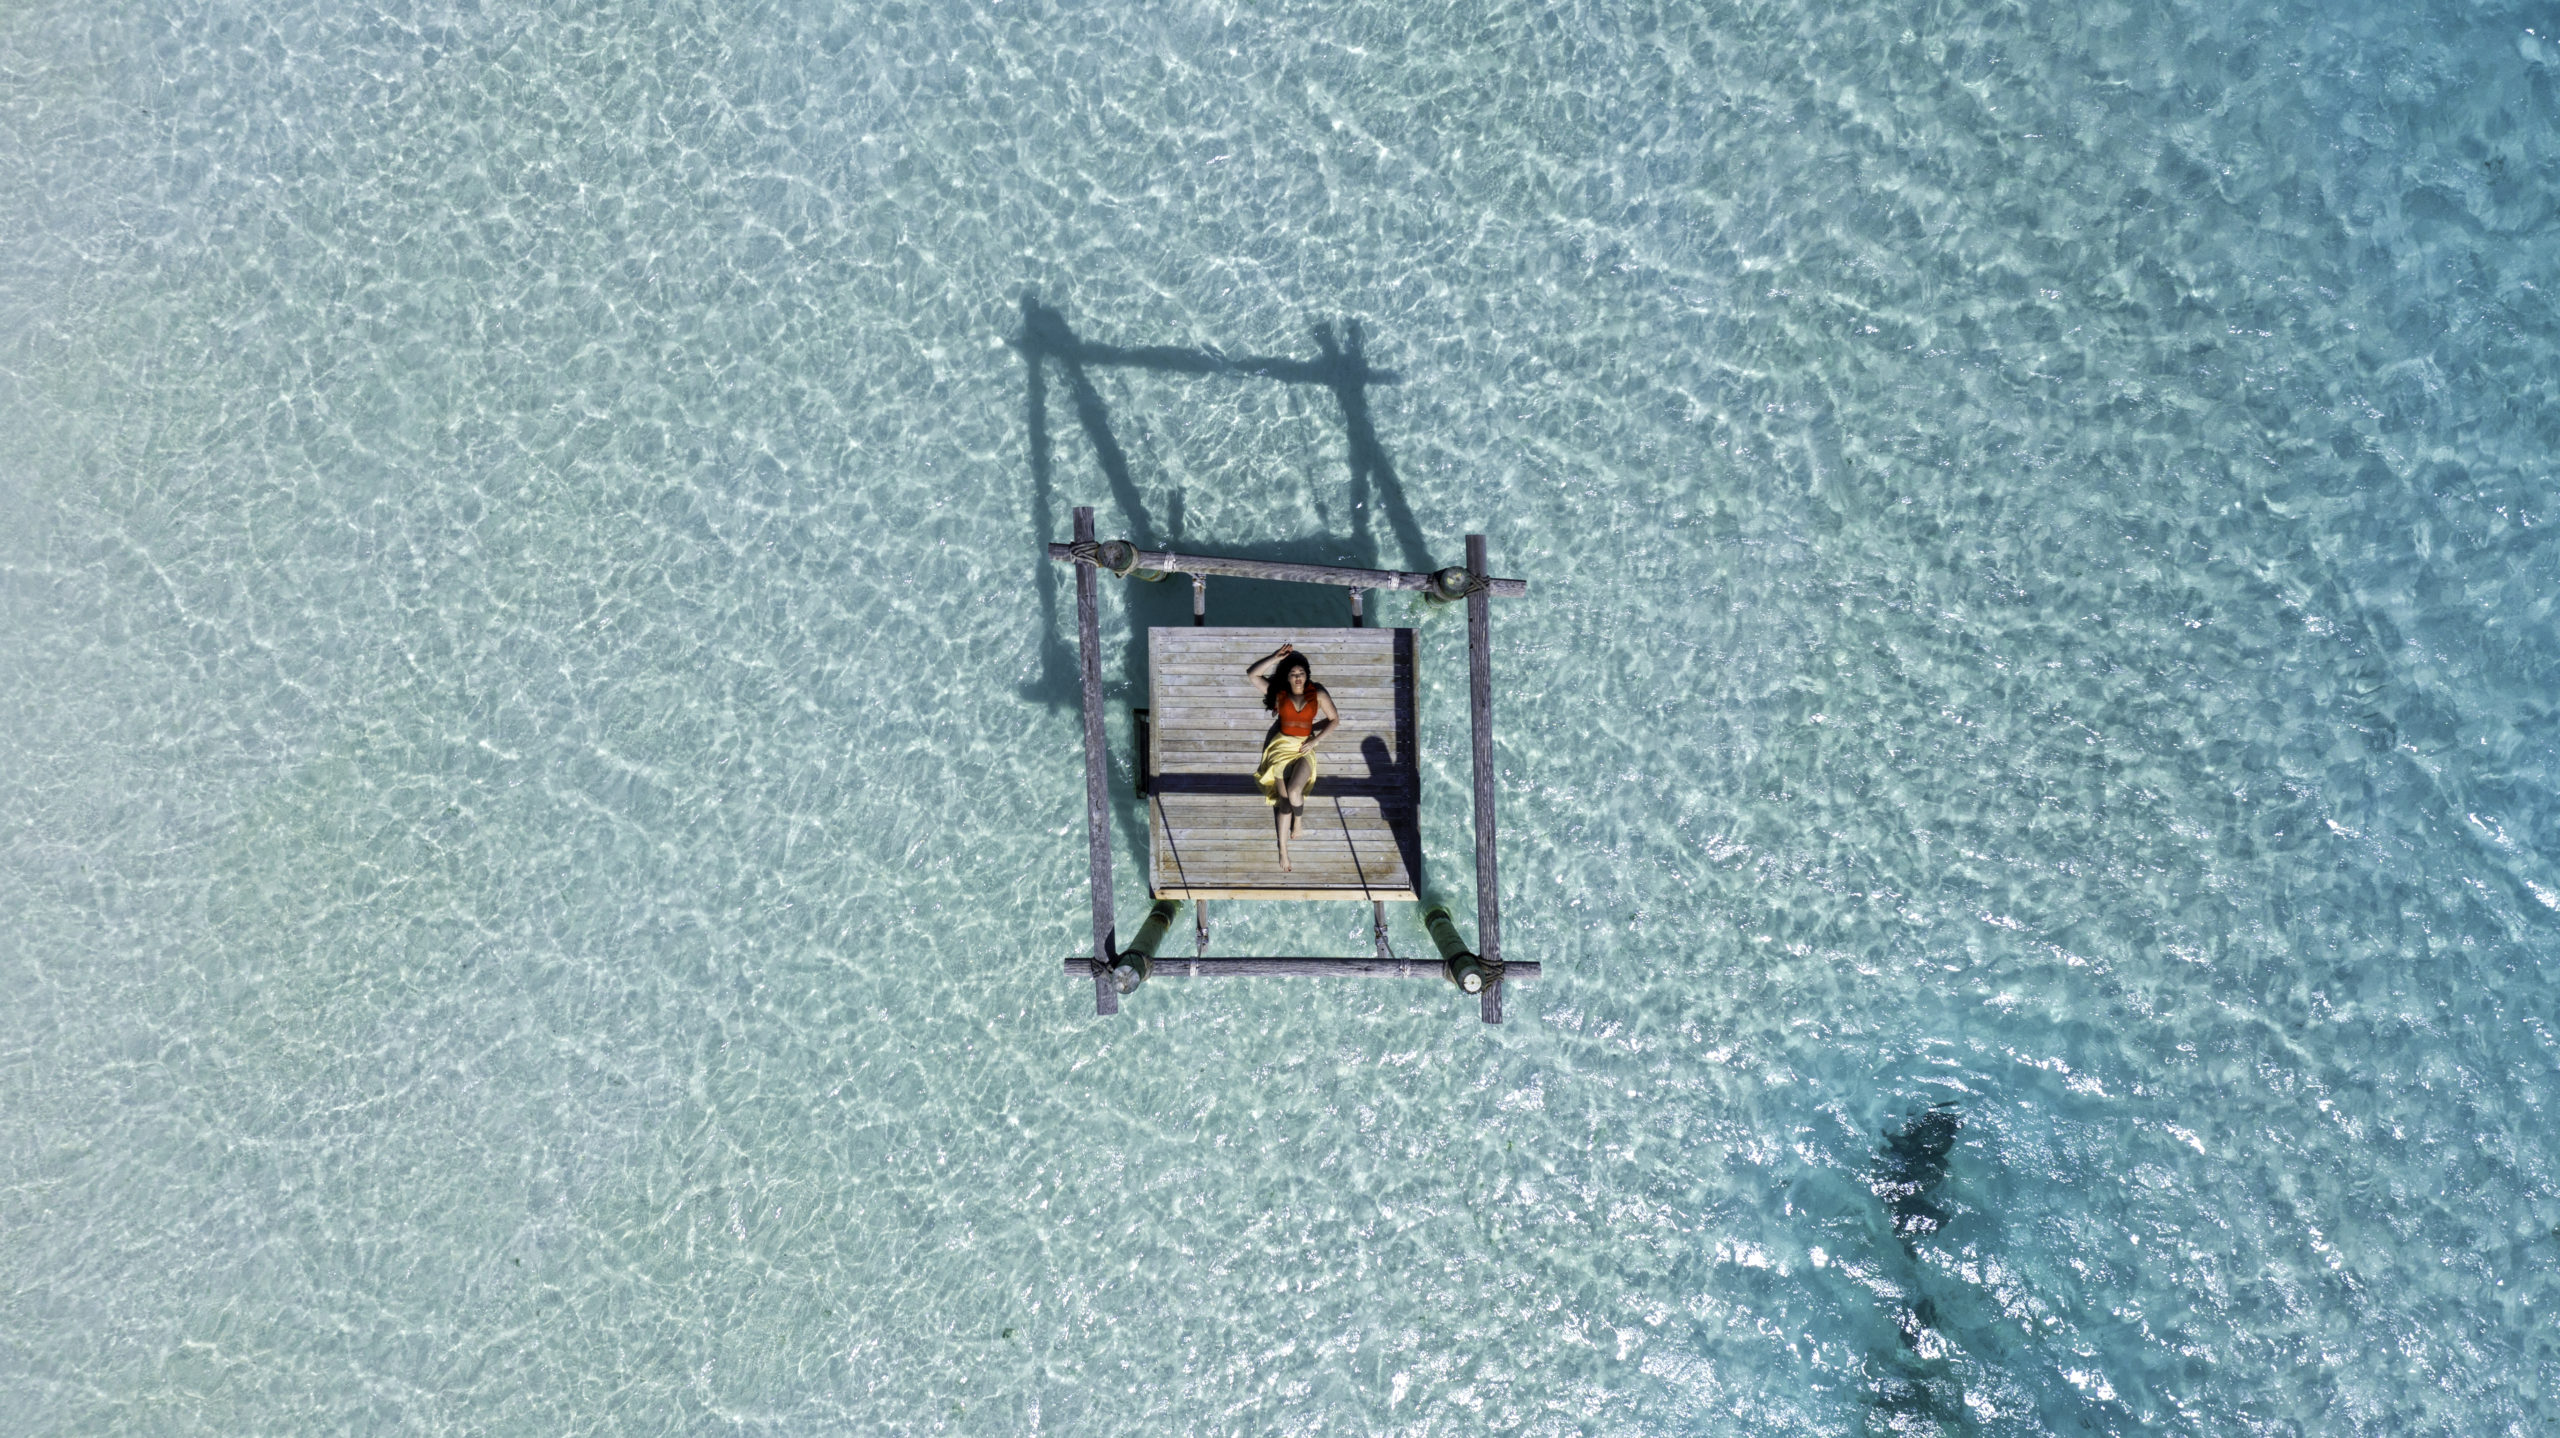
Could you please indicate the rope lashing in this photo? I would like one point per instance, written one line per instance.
(1118, 556)
(1456, 583)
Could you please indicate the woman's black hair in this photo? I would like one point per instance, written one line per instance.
(1276, 688)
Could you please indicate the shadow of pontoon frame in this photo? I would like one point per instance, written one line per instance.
(1341, 366)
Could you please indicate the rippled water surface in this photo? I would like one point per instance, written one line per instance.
(539, 807)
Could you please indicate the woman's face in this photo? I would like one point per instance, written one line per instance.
(1297, 680)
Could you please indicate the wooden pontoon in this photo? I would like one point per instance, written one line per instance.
(1211, 834)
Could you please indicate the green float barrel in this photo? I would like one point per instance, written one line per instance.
(1138, 960)
(1463, 967)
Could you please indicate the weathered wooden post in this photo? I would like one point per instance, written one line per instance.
(1097, 769)
(1480, 713)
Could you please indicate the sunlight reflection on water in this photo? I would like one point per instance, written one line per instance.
(540, 793)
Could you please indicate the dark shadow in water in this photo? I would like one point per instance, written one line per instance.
(1917, 1392)
(1917, 1385)
(1342, 367)
(1057, 683)
(1095, 416)
(1046, 329)
(1398, 786)
(1911, 1165)
(1348, 364)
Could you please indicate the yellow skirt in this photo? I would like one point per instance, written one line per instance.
(1277, 756)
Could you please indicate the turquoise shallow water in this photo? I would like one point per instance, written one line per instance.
(536, 747)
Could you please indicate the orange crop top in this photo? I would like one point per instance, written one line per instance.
(1296, 719)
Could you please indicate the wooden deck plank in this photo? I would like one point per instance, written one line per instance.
(1245, 833)
(1247, 738)
(1299, 967)
(1374, 848)
(1252, 821)
(1199, 652)
(1216, 672)
(1210, 834)
(1393, 896)
(1337, 881)
(1211, 722)
(1240, 712)
(1223, 677)
(1206, 756)
(1254, 826)
(1205, 667)
(1271, 636)
(1296, 885)
(1203, 769)
(1212, 814)
(1254, 641)
(1224, 830)
(1256, 860)
(1254, 723)
(1312, 642)
(1222, 659)
(1375, 688)
(1241, 752)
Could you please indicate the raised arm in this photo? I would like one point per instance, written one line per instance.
(1259, 671)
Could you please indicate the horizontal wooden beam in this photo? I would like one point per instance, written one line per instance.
(1079, 964)
(1400, 894)
(1167, 562)
(1097, 789)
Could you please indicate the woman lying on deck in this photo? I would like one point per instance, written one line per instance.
(1303, 714)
